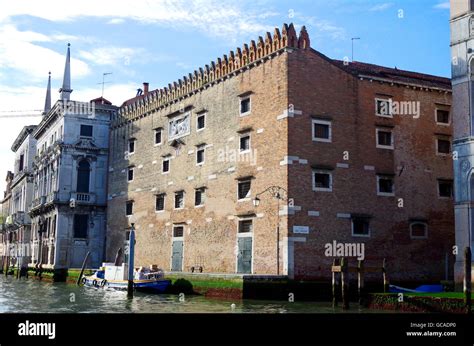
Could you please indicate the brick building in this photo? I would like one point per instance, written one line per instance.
(352, 153)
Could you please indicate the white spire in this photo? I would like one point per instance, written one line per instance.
(66, 88)
(47, 102)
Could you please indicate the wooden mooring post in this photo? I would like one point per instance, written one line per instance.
(360, 282)
(345, 282)
(335, 266)
(468, 279)
(83, 267)
(386, 284)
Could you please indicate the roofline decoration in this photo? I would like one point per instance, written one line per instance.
(231, 64)
(21, 137)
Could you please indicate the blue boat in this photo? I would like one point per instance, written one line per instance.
(114, 277)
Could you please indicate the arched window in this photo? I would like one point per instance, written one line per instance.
(83, 176)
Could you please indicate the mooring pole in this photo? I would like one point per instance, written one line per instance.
(334, 283)
(131, 254)
(360, 281)
(82, 269)
(468, 279)
(345, 283)
(386, 284)
(118, 256)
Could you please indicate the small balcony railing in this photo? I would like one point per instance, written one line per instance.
(83, 198)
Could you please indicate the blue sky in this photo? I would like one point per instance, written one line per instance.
(160, 41)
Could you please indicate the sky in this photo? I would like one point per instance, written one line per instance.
(159, 41)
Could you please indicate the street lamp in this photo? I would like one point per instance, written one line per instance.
(276, 192)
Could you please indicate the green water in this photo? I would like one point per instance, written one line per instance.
(32, 296)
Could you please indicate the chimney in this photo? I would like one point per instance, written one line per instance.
(145, 88)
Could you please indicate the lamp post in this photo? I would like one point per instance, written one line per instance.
(278, 193)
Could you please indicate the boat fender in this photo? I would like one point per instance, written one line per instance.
(94, 283)
(103, 282)
(84, 280)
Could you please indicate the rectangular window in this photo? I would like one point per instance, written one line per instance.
(200, 155)
(199, 197)
(385, 186)
(86, 131)
(383, 107)
(158, 134)
(81, 225)
(201, 122)
(160, 202)
(245, 106)
(321, 131)
(322, 180)
(384, 138)
(418, 230)
(178, 231)
(129, 208)
(360, 227)
(245, 226)
(245, 143)
(166, 165)
(445, 188)
(442, 116)
(179, 200)
(21, 163)
(131, 146)
(130, 173)
(443, 146)
(244, 189)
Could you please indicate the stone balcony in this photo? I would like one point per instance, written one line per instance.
(83, 198)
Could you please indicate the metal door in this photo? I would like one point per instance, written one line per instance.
(177, 258)
(244, 256)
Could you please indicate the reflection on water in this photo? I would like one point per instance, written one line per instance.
(32, 296)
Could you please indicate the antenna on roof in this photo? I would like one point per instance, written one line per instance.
(352, 41)
(103, 81)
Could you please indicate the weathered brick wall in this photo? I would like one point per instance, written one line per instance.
(210, 236)
(318, 88)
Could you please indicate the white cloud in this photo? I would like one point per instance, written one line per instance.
(116, 21)
(442, 5)
(18, 51)
(381, 7)
(208, 16)
(323, 27)
(110, 55)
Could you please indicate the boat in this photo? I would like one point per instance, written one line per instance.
(110, 276)
(419, 289)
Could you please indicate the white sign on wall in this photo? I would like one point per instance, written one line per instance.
(301, 229)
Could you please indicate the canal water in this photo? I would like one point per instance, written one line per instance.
(32, 296)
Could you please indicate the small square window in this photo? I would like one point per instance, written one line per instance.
(160, 202)
(383, 107)
(86, 131)
(245, 106)
(178, 231)
(445, 188)
(443, 146)
(360, 227)
(442, 116)
(166, 165)
(179, 200)
(322, 181)
(244, 189)
(384, 138)
(129, 208)
(245, 226)
(131, 146)
(418, 230)
(200, 155)
(385, 185)
(199, 197)
(158, 136)
(245, 143)
(201, 122)
(321, 131)
(130, 173)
